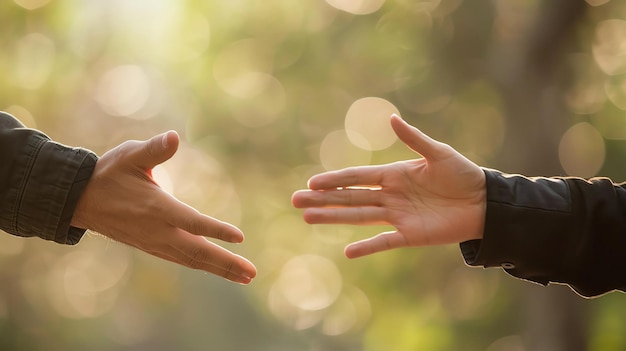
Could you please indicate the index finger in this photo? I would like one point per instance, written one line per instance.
(417, 140)
(352, 176)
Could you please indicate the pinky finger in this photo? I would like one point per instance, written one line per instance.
(381, 242)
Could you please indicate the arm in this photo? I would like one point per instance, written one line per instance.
(564, 230)
(116, 196)
(560, 229)
(40, 182)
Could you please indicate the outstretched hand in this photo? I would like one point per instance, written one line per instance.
(437, 199)
(123, 202)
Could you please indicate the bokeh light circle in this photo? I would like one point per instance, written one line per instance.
(367, 123)
(609, 47)
(615, 89)
(310, 282)
(32, 4)
(336, 151)
(123, 90)
(582, 150)
(357, 7)
(307, 285)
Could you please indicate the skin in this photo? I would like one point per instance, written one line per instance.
(434, 200)
(123, 202)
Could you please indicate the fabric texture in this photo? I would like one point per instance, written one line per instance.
(40, 183)
(562, 229)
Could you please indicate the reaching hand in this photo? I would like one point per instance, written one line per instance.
(122, 201)
(437, 199)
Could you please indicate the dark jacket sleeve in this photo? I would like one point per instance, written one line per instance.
(562, 229)
(40, 183)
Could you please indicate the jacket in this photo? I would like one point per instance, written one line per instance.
(561, 229)
(40, 183)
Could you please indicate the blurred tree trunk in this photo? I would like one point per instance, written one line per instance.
(556, 317)
(536, 119)
(525, 64)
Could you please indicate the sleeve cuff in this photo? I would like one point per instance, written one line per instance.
(522, 220)
(57, 178)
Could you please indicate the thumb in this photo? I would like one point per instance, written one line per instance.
(416, 140)
(157, 149)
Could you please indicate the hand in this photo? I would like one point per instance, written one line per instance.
(123, 202)
(438, 199)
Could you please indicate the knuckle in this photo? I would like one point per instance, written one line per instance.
(220, 234)
(196, 258)
(191, 225)
(151, 149)
(229, 268)
(387, 243)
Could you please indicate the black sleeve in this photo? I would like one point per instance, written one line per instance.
(40, 183)
(562, 229)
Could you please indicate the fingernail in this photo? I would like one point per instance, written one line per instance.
(164, 140)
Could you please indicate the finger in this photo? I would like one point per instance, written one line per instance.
(347, 215)
(343, 197)
(210, 269)
(352, 176)
(416, 140)
(380, 242)
(185, 217)
(156, 150)
(197, 252)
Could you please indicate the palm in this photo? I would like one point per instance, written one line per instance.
(428, 204)
(437, 199)
(124, 203)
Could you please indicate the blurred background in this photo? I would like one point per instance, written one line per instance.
(267, 93)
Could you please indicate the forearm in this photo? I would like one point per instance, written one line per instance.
(566, 230)
(40, 183)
